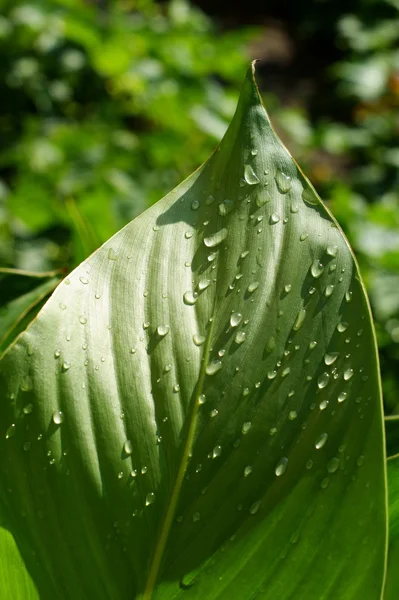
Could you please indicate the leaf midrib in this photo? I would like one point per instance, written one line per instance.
(185, 457)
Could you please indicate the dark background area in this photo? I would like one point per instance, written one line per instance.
(105, 106)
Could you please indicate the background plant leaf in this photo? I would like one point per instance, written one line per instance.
(203, 419)
(392, 434)
(392, 580)
(22, 295)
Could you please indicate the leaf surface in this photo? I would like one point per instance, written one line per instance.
(203, 419)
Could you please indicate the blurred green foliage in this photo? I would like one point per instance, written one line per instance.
(105, 106)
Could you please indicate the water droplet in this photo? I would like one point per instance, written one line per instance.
(323, 404)
(287, 288)
(281, 466)
(240, 337)
(57, 353)
(84, 280)
(323, 380)
(176, 388)
(330, 358)
(300, 319)
(254, 152)
(246, 427)
(128, 447)
(303, 237)
(292, 415)
(216, 238)
(285, 372)
(333, 465)
(150, 499)
(214, 413)
(65, 366)
(225, 207)
(112, 255)
(82, 319)
(247, 470)
(190, 298)
(252, 287)
(274, 218)
(235, 319)
(332, 251)
(195, 205)
(10, 431)
(283, 182)
(348, 374)
(203, 284)
(312, 345)
(348, 296)
(198, 339)
(250, 176)
(329, 290)
(217, 451)
(321, 440)
(341, 327)
(316, 269)
(324, 483)
(201, 399)
(255, 507)
(27, 409)
(342, 397)
(213, 367)
(309, 196)
(162, 330)
(58, 417)
(271, 374)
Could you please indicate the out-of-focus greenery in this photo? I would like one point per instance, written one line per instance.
(103, 110)
(105, 106)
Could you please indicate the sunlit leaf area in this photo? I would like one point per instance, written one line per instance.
(199, 300)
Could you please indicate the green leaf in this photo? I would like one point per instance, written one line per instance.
(392, 434)
(204, 418)
(392, 580)
(23, 293)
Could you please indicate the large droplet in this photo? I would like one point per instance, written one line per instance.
(252, 287)
(342, 326)
(309, 196)
(190, 297)
(255, 507)
(321, 440)
(203, 284)
(300, 319)
(262, 198)
(348, 374)
(225, 207)
(323, 380)
(240, 337)
(247, 470)
(213, 367)
(112, 255)
(342, 397)
(150, 498)
(274, 218)
(162, 330)
(316, 269)
(198, 339)
(235, 319)
(10, 431)
(333, 465)
(332, 251)
(281, 466)
(58, 417)
(250, 175)
(128, 447)
(216, 238)
(217, 451)
(283, 182)
(330, 358)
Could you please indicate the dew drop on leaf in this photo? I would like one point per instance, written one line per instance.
(235, 319)
(216, 239)
(58, 417)
(250, 175)
(283, 182)
(128, 447)
(321, 440)
(255, 507)
(281, 466)
(213, 367)
(150, 499)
